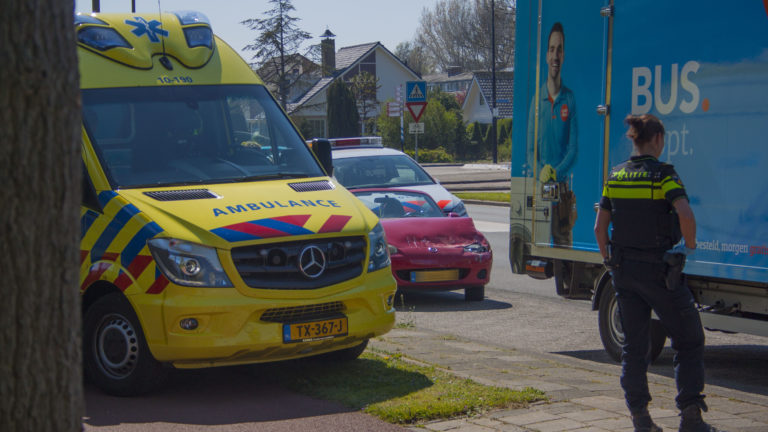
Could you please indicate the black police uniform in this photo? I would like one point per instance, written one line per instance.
(639, 194)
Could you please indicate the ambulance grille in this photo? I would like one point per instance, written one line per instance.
(276, 265)
(181, 195)
(312, 186)
(302, 313)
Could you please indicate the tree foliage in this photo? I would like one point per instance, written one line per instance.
(277, 46)
(41, 166)
(458, 33)
(443, 127)
(343, 119)
(365, 87)
(414, 57)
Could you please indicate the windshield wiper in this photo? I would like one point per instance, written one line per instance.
(271, 176)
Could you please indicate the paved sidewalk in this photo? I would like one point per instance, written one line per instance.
(584, 396)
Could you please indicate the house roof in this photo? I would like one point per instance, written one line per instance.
(504, 91)
(320, 85)
(444, 77)
(346, 57)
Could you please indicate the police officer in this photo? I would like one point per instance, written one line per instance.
(646, 203)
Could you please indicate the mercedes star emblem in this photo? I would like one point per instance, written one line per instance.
(312, 261)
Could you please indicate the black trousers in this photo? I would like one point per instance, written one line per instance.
(640, 288)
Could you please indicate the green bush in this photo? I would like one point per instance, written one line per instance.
(437, 155)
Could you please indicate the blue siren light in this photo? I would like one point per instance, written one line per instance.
(199, 36)
(102, 38)
(192, 17)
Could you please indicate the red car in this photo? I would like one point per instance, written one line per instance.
(430, 250)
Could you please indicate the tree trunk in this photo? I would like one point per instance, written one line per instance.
(40, 173)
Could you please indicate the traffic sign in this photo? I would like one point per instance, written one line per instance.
(393, 109)
(416, 109)
(416, 128)
(416, 91)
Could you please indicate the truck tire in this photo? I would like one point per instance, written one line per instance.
(115, 352)
(474, 293)
(611, 333)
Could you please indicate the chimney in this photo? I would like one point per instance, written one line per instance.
(328, 53)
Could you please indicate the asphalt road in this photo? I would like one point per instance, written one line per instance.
(523, 313)
(518, 312)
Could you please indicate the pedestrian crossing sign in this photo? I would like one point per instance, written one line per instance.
(416, 91)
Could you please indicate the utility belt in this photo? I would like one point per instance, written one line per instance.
(675, 263)
(652, 257)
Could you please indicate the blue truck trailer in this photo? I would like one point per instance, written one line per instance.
(702, 68)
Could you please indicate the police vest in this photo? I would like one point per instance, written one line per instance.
(639, 193)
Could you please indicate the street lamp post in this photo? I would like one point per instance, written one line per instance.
(494, 145)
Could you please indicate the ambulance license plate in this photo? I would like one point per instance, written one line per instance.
(435, 275)
(315, 330)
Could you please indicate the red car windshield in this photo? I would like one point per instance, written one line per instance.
(397, 204)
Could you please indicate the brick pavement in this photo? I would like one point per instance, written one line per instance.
(584, 396)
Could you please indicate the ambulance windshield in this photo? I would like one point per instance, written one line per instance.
(178, 135)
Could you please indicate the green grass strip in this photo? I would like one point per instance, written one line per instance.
(484, 196)
(397, 391)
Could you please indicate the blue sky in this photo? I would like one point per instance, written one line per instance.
(353, 21)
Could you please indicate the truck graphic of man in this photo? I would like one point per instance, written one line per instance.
(557, 137)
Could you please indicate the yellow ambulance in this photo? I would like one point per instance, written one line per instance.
(210, 233)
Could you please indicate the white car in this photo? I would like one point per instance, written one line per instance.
(375, 166)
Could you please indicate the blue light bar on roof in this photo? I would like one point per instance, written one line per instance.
(101, 38)
(87, 19)
(192, 17)
(199, 36)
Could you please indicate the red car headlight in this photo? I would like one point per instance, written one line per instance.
(476, 248)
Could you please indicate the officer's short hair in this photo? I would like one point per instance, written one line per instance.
(642, 128)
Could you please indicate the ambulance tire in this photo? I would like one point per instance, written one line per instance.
(115, 353)
(343, 355)
(612, 334)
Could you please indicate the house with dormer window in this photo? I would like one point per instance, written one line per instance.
(373, 58)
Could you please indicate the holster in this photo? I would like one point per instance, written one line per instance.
(675, 263)
(614, 258)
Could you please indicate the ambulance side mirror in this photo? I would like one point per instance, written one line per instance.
(322, 150)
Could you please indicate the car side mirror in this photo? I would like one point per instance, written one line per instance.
(322, 149)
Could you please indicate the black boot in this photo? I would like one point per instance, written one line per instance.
(691, 421)
(642, 422)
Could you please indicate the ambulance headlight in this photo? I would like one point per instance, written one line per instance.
(378, 255)
(188, 264)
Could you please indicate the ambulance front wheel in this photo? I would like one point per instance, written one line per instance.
(115, 352)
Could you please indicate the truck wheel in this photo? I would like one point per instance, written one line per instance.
(115, 353)
(474, 293)
(612, 334)
(562, 270)
(609, 322)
